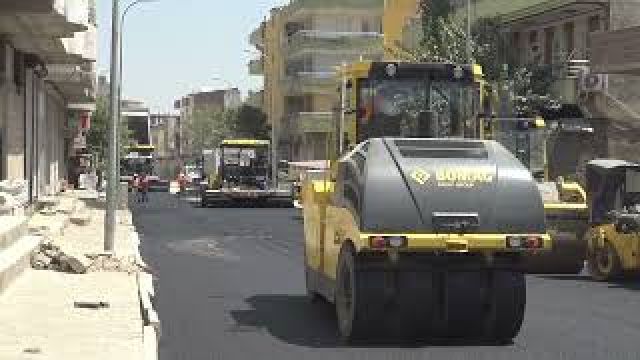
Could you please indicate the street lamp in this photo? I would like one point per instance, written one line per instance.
(122, 19)
(113, 153)
(469, 51)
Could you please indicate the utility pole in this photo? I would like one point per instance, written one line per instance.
(469, 54)
(112, 169)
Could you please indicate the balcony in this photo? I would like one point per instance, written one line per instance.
(256, 38)
(63, 73)
(315, 41)
(303, 8)
(311, 122)
(77, 83)
(319, 83)
(256, 67)
(53, 18)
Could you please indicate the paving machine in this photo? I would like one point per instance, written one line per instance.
(565, 202)
(240, 175)
(614, 233)
(415, 231)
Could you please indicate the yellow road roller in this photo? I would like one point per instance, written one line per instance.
(416, 231)
(614, 203)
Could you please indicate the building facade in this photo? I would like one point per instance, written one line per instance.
(302, 44)
(47, 84)
(165, 137)
(554, 33)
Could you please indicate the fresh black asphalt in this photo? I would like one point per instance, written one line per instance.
(230, 285)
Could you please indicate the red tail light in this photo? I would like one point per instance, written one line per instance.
(382, 242)
(378, 242)
(525, 242)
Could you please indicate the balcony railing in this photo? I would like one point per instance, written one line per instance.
(328, 41)
(305, 82)
(311, 122)
(63, 73)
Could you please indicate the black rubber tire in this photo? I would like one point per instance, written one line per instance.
(508, 299)
(600, 269)
(359, 300)
(312, 294)
(414, 313)
(465, 297)
(566, 257)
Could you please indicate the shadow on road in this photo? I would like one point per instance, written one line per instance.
(292, 319)
(295, 320)
(630, 283)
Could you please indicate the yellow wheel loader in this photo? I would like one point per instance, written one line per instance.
(415, 231)
(565, 202)
(614, 233)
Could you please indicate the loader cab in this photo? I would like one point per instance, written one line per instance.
(390, 99)
(614, 234)
(614, 189)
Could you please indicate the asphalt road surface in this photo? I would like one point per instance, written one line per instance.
(230, 285)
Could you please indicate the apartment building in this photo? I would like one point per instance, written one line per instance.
(165, 137)
(301, 45)
(550, 32)
(398, 16)
(47, 82)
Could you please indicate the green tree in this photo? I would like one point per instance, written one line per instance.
(444, 39)
(250, 122)
(98, 135)
(206, 129)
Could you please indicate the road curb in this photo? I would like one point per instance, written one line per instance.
(146, 292)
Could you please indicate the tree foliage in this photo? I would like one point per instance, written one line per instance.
(98, 135)
(444, 39)
(205, 129)
(250, 122)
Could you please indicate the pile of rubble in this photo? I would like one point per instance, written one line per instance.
(51, 257)
(109, 263)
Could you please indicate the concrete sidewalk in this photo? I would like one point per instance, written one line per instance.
(51, 315)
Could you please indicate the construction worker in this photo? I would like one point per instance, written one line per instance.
(144, 188)
(182, 182)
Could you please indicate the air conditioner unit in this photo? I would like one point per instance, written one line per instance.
(577, 69)
(594, 82)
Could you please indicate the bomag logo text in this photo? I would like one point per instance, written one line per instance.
(420, 176)
(462, 177)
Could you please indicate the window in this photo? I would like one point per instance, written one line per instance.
(366, 26)
(594, 23)
(549, 36)
(533, 37)
(18, 70)
(569, 39)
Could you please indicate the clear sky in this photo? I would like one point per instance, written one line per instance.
(174, 46)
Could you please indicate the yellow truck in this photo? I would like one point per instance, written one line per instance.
(416, 230)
